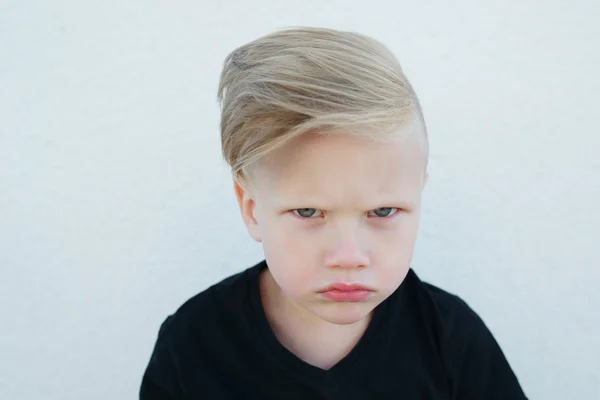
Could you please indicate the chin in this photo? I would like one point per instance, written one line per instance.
(345, 313)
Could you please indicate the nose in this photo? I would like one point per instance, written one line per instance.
(347, 254)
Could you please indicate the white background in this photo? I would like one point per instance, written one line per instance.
(115, 206)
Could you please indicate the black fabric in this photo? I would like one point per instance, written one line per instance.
(422, 343)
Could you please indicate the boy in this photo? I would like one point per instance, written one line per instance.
(328, 149)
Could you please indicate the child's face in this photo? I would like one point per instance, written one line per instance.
(337, 208)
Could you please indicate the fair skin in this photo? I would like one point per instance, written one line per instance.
(328, 209)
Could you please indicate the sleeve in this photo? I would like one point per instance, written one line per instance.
(160, 379)
(483, 372)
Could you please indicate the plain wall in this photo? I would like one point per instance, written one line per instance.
(115, 205)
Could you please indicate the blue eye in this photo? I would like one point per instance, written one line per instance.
(306, 212)
(385, 212)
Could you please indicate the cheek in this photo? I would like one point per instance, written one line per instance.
(292, 261)
(394, 254)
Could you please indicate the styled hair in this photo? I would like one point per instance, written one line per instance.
(305, 79)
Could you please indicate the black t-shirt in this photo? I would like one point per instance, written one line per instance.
(422, 343)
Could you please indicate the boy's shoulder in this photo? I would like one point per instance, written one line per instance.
(198, 334)
(218, 304)
(223, 293)
(471, 357)
(448, 312)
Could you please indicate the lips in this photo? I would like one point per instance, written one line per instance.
(346, 292)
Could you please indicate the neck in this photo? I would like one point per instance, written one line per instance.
(310, 338)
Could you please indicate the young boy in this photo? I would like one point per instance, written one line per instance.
(328, 149)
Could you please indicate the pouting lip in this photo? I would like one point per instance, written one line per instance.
(345, 287)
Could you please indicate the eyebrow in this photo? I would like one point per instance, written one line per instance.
(311, 202)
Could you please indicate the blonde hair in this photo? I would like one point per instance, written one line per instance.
(300, 80)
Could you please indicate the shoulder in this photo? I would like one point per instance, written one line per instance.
(214, 306)
(190, 338)
(474, 362)
(446, 319)
(452, 322)
(447, 311)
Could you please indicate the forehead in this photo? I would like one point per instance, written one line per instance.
(336, 170)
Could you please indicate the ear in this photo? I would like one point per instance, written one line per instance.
(247, 207)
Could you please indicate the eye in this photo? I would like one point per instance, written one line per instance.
(385, 212)
(307, 213)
